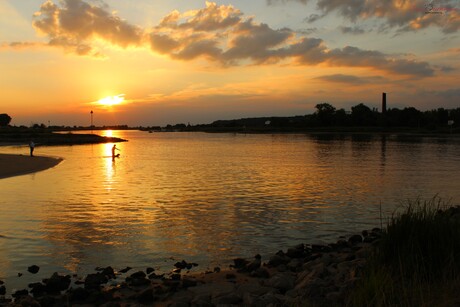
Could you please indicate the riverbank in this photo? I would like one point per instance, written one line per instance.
(320, 274)
(16, 165)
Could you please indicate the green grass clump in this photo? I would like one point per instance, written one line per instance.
(417, 260)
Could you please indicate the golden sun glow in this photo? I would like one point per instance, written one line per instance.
(112, 100)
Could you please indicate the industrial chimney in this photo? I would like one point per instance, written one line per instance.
(384, 103)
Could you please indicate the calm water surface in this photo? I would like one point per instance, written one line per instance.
(209, 198)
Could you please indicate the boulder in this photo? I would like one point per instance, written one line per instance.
(57, 283)
(33, 269)
(79, 294)
(282, 281)
(125, 269)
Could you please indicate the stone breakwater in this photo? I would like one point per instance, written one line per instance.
(320, 275)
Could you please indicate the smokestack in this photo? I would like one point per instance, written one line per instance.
(384, 102)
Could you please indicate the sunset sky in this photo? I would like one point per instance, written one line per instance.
(151, 62)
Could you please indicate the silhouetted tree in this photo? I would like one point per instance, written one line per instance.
(341, 118)
(362, 115)
(5, 120)
(410, 117)
(325, 113)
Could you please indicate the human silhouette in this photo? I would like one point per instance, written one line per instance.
(113, 152)
(32, 147)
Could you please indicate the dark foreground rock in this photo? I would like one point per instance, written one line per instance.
(319, 275)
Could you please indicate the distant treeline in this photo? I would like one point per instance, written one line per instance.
(327, 116)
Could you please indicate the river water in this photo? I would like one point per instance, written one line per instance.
(208, 198)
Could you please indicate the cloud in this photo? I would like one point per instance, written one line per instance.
(451, 94)
(352, 30)
(77, 22)
(407, 15)
(218, 33)
(350, 79)
(21, 45)
(273, 2)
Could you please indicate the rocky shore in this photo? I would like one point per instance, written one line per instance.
(317, 275)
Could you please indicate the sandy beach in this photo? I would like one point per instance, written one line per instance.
(15, 165)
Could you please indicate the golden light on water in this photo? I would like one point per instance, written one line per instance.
(108, 133)
(112, 100)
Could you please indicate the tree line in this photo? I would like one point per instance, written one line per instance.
(360, 115)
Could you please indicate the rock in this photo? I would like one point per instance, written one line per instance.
(313, 257)
(216, 269)
(295, 252)
(125, 270)
(146, 296)
(260, 273)
(94, 281)
(188, 282)
(282, 268)
(316, 248)
(282, 281)
(254, 289)
(239, 263)
(57, 283)
(355, 239)
(268, 299)
(295, 264)
(341, 244)
(155, 276)
(48, 300)
(2, 290)
(149, 270)
(254, 265)
(27, 301)
(79, 294)
(175, 277)
(33, 269)
(38, 289)
(228, 299)
(277, 260)
(138, 274)
(181, 265)
(230, 276)
(137, 282)
(108, 272)
(202, 300)
(20, 293)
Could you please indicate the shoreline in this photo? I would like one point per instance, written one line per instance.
(319, 274)
(12, 165)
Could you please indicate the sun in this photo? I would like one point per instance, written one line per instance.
(112, 100)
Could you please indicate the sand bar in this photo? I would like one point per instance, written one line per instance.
(15, 165)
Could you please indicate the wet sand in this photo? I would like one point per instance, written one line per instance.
(16, 165)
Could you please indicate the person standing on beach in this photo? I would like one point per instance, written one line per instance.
(32, 147)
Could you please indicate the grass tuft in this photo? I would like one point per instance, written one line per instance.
(417, 260)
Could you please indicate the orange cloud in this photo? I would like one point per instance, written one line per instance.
(74, 25)
(218, 33)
